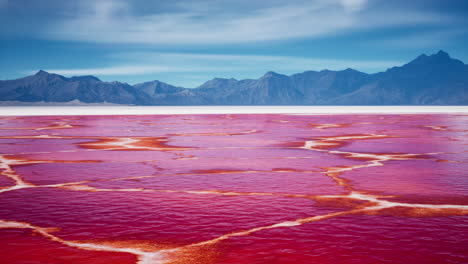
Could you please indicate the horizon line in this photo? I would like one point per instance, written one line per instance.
(189, 110)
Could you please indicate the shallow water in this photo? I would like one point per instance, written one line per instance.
(260, 188)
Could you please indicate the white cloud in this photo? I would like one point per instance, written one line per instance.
(253, 62)
(117, 70)
(354, 5)
(131, 69)
(102, 24)
(114, 22)
(428, 39)
(140, 64)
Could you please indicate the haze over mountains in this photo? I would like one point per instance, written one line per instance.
(437, 79)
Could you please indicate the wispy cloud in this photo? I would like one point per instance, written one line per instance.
(129, 69)
(140, 63)
(115, 22)
(114, 70)
(429, 39)
(354, 5)
(255, 62)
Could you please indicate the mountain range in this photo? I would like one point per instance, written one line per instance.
(437, 79)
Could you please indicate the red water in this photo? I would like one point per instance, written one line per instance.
(234, 189)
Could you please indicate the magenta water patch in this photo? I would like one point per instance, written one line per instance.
(260, 188)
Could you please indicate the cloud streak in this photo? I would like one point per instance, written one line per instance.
(113, 70)
(115, 22)
(250, 62)
(434, 39)
(139, 63)
(129, 69)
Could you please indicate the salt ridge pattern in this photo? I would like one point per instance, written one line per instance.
(238, 152)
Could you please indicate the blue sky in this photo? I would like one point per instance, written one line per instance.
(186, 42)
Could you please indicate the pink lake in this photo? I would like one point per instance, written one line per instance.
(234, 189)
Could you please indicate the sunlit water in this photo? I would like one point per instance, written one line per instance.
(234, 189)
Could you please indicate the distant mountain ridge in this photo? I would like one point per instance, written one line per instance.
(437, 79)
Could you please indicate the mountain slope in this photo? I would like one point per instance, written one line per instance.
(437, 79)
(46, 87)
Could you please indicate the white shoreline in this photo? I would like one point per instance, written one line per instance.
(169, 110)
